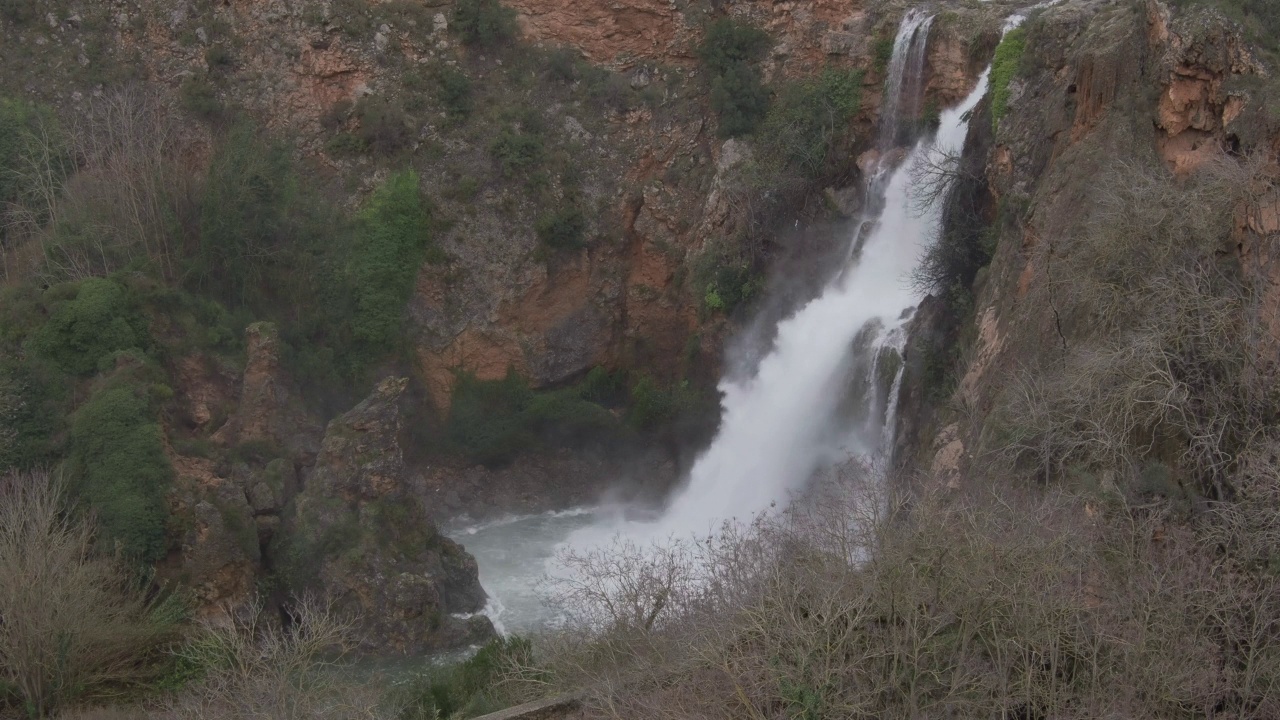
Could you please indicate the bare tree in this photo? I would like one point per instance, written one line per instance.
(71, 621)
(255, 668)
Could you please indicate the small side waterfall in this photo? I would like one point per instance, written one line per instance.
(905, 74)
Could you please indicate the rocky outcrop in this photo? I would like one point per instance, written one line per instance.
(1103, 86)
(359, 537)
(1197, 114)
(269, 411)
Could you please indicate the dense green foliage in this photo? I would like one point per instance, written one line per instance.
(29, 416)
(97, 318)
(493, 420)
(803, 124)
(730, 52)
(517, 150)
(245, 221)
(484, 22)
(455, 91)
(392, 237)
(1003, 68)
(119, 468)
(562, 229)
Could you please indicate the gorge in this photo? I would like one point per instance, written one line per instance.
(693, 359)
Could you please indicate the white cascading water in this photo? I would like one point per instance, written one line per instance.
(791, 416)
(776, 426)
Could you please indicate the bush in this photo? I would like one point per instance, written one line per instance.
(455, 91)
(740, 100)
(1003, 69)
(810, 114)
(484, 23)
(1161, 367)
(562, 229)
(989, 602)
(244, 219)
(250, 666)
(119, 469)
(199, 96)
(467, 689)
(384, 126)
(19, 12)
(99, 319)
(393, 235)
(494, 420)
(74, 621)
(882, 53)
(219, 58)
(517, 151)
(730, 51)
(29, 416)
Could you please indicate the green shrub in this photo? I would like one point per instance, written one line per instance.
(81, 331)
(562, 229)
(882, 53)
(384, 126)
(613, 91)
(29, 417)
(492, 421)
(390, 247)
(19, 12)
(564, 64)
(730, 52)
(219, 58)
(455, 91)
(485, 417)
(345, 143)
(1003, 68)
(728, 44)
(119, 468)
(517, 151)
(199, 96)
(650, 404)
(802, 126)
(245, 216)
(466, 689)
(484, 23)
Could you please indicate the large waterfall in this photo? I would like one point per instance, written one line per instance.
(781, 423)
(819, 394)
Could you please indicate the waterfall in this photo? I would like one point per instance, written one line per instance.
(781, 424)
(905, 74)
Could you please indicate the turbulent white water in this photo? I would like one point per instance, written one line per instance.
(780, 424)
(775, 427)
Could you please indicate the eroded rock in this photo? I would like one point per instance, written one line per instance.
(360, 537)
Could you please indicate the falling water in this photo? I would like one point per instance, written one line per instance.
(776, 426)
(794, 413)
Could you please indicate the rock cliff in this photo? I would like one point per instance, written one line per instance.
(1165, 97)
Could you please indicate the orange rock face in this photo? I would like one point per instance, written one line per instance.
(607, 32)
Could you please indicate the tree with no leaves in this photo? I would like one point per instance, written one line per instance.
(71, 619)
